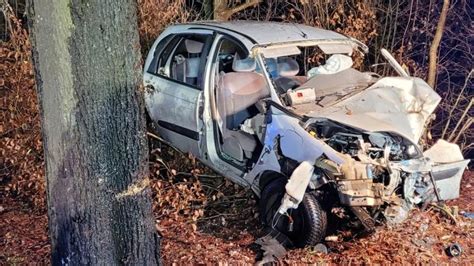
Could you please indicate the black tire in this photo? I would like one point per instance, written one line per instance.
(309, 219)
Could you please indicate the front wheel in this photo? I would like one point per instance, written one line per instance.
(309, 219)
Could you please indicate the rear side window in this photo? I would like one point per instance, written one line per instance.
(182, 58)
(162, 51)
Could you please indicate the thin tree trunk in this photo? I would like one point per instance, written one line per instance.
(88, 71)
(435, 45)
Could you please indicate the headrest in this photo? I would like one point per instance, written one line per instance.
(193, 47)
(288, 67)
(272, 66)
(243, 65)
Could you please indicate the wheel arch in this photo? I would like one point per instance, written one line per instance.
(267, 176)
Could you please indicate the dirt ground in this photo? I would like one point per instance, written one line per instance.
(226, 233)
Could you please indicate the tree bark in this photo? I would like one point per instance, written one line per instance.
(88, 72)
(435, 45)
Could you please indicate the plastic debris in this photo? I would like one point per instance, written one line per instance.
(469, 215)
(273, 245)
(454, 250)
(321, 248)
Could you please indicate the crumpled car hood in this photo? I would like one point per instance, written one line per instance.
(392, 104)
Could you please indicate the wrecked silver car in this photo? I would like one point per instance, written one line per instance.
(242, 98)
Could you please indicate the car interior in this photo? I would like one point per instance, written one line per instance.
(187, 60)
(285, 72)
(238, 88)
(306, 86)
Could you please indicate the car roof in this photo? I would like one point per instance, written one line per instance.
(265, 32)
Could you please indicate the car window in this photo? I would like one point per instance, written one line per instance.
(188, 59)
(228, 50)
(161, 54)
(182, 58)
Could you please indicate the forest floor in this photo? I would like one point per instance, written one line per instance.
(204, 219)
(227, 234)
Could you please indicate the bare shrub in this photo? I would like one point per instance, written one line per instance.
(155, 15)
(409, 28)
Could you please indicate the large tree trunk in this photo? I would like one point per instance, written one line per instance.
(88, 73)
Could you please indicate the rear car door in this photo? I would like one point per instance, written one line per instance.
(174, 79)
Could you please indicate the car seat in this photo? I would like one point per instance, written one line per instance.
(236, 93)
(186, 69)
(272, 67)
(288, 70)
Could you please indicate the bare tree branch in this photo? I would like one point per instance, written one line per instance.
(221, 12)
(466, 82)
(435, 45)
(451, 136)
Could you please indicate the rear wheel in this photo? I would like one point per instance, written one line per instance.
(309, 219)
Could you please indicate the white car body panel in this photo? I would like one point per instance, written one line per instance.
(392, 104)
(400, 105)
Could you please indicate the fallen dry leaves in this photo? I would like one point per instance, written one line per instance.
(202, 217)
(226, 233)
(23, 234)
(21, 153)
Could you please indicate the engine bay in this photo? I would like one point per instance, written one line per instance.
(369, 182)
(375, 145)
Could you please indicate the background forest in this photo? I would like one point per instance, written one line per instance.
(207, 219)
